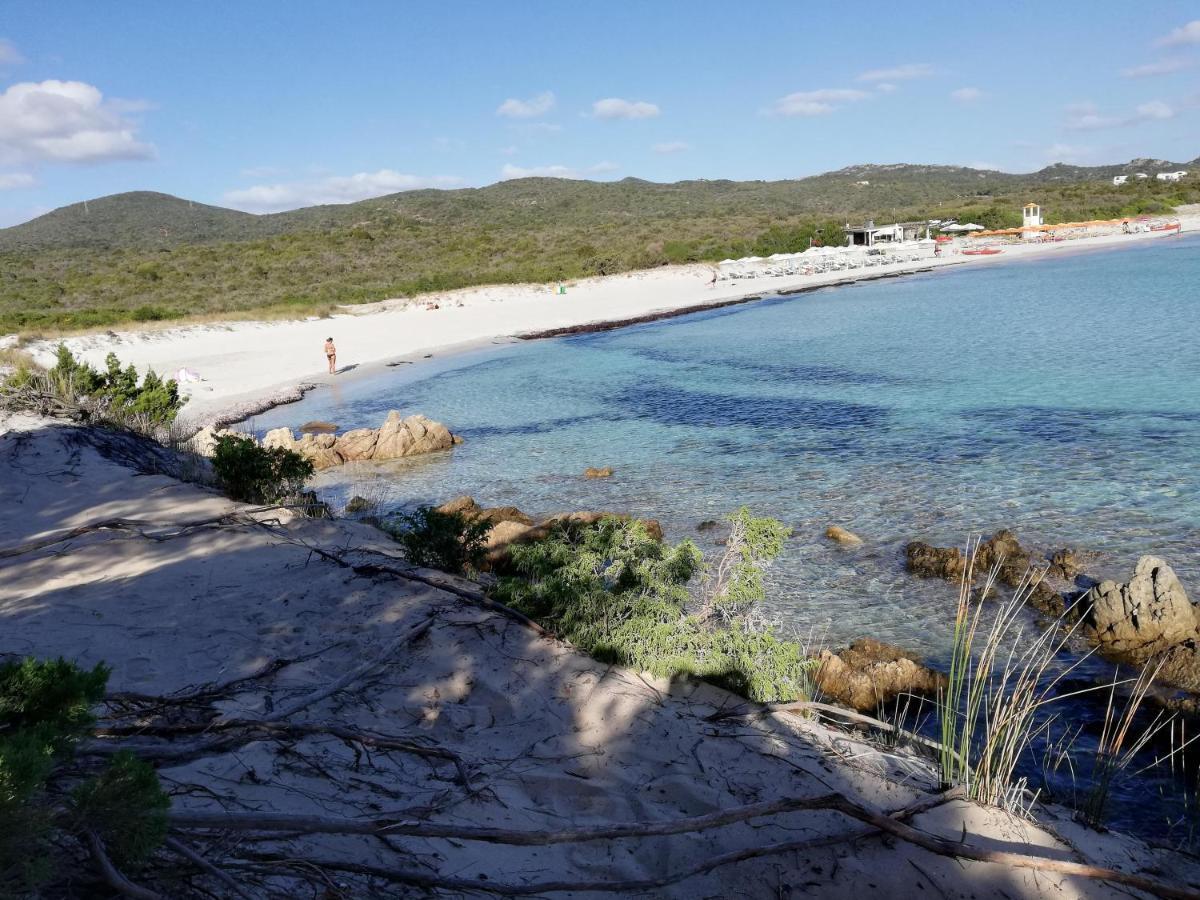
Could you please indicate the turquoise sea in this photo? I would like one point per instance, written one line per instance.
(1056, 397)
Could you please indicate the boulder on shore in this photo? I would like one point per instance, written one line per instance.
(1146, 615)
(396, 438)
(870, 672)
(592, 472)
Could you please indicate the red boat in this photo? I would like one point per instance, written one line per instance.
(1169, 227)
(983, 251)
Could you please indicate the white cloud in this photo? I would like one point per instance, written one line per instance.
(67, 121)
(898, 73)
(9, 54)
(1181, 36)
(886, 87)
(815, 103)
(616, 108)
(10, 181)
(671, 147)
(1087, 117)
(966, 94)
(334, 189)
(513, 108)
(511, 171)
(1162, 67)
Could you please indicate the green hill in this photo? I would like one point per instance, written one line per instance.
(146, 256)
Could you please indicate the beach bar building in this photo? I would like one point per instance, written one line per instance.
(1031, 221)
(869, 234)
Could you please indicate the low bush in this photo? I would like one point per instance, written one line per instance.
(249, 473)
(115, 396)
(624, 597)
(447, 541)
(45, 710)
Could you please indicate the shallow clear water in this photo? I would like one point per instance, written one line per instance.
(1059, 398)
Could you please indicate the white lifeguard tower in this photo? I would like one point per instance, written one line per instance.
(1031, 221)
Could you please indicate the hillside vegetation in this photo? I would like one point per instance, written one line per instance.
(144, 257)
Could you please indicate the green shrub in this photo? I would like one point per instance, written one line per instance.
(115, 395)
(252, 474)
(438, 540)
(622, 596)
(126, 806)
(45, 708)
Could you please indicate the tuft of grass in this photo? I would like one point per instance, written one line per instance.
(991, 712)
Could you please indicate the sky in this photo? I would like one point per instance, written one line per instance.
(264, 106)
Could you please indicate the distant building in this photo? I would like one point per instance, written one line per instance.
(1170, 176)
(862, 183)
(1031, 221)
(1141, 175)
(869, 234)
(1120, 179)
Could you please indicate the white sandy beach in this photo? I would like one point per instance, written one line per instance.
(247, 364)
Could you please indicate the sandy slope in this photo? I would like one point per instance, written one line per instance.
(244, 363)
(549, 737)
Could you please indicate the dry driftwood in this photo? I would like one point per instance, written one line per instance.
(111, 874)
(878, 821)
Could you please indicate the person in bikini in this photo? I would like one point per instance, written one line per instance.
(331, 355)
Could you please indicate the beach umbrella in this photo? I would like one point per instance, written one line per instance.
(971, 226)
(953, 228)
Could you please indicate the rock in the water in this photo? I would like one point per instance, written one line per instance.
(464, 505)
(280, 438)
(928, 561)
(869, 673)
(708, 525)
(358, 504)
(592, 472)
(357, 444)
(325, 458)
(841, 536)
(397, 437)
(1146, 615)
(1065, 564)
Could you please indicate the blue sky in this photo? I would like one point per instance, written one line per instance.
(265, 106)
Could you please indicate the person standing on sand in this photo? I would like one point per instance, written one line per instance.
(331, 355)
(713, 283)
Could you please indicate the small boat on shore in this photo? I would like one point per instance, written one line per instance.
(1169, 226)
(983, 251)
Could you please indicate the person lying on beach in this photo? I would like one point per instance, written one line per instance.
(331, 355)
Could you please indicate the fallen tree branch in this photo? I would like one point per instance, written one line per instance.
(254, 728)
(831, 802)
(137, 526)
(746, 711)
(300, 824)
(192, 856)
(111, 875)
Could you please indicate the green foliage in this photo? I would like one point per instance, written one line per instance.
(622, 596)
(735, 584)
(45, 708)
(142, 256)
(115, 395)
(126, 806)
(450, 542)
(253, 474)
